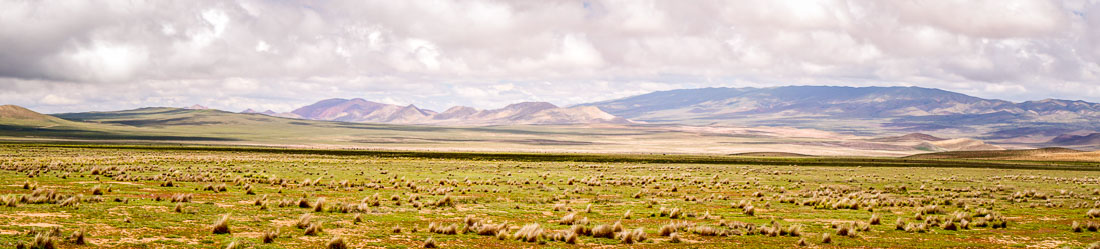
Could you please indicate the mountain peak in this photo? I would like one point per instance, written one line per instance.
(530, 105)
(196, 107)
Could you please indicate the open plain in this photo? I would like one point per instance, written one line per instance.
(155, 196)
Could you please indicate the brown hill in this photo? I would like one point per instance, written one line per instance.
(20, 113)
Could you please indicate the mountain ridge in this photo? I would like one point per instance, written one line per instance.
(878, 110)
(360, 110)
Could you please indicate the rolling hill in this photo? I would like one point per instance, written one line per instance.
(18, 114)
(1025, 154)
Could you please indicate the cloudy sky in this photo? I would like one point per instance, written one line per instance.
(81, 55)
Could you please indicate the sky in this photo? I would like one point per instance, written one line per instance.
(91, 55)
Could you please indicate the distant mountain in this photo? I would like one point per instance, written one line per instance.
(251, 111)
(874, 110)
(911, 137)
(196, 107)
(958, 144)
(1092, 139)
(360, 110)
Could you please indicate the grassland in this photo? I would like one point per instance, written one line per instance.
(129, 196)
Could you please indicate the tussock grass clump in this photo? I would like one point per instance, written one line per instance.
(70, 202)
(470, 220)
(336, 243)
(77, 238)
(701, 230)
(569, 219)
(181, 198)
(491, 229)
(440, 229)
(1093, 213)
(875, 219)
(581, 230)
(603, 231)
(529, 233)
(1077, 227)
(96, 190)
(304, 221)
(626, 216)
(571, 238)
(319, 206)
(826, 238)
(631, 237)
(446, 201)
(949, 225)
(916, 227)
(9, 201)
(793, 230)
(430, 243)
(314, 228)
(674, 238)
(303, 203)
(933, 209)
(846, 229)
(675, 214)
(269, 236)
(221, 226)
(42, 240)
(672, 227)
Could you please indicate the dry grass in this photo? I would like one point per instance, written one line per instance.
(336, 243)
(221, 226)
(430, 243)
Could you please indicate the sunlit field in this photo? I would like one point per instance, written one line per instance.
(195, 197)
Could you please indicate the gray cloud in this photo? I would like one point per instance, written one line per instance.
(63, 55)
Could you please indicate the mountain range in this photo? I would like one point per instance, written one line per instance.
(868, 110)
(360, 110)
(860, 111)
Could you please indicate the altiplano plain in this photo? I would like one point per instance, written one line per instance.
(168, 196)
